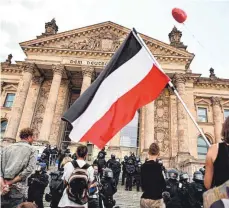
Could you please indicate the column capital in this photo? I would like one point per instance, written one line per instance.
(37, 80)
(29, 67)
(179, 78)
(216, 100)
(58, 69)
(87, 71)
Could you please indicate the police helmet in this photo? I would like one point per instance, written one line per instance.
(108, 173)
(126, 158)
(40, 167)
(101, 155)
(112, 156)
(137, 159)
(130, 161)
(198, 176)
(159, 161)
(43, 155)
(173, 174)
(202, 170)
(184, 177)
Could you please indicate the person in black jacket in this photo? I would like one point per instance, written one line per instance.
(37, 183)
(152, 180)
(196, 190)
(124, 169)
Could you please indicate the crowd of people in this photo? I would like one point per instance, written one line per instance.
(76, 183)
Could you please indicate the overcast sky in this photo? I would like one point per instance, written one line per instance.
(206, 32)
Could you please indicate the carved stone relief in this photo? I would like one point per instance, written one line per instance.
(161, 123)
(40, 108)
(103, 41)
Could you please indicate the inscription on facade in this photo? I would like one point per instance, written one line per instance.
(87, 62)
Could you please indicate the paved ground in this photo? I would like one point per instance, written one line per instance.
(124, 199)
(127, 199)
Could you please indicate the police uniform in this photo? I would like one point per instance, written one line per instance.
(37, 183)
(196, 190)
(124, 169)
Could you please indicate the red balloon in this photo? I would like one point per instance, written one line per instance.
(179, 15)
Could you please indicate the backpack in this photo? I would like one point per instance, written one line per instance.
(77, 187)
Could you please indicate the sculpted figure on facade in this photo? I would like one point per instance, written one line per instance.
(175, 38)
(9, 59)
(104, 41)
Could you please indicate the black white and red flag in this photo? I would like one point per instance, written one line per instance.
(130, 80)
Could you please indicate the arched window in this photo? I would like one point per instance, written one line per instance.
(202, 148)
(129, 134)
(3, 128)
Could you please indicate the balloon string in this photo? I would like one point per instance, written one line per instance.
(193, 36)
(209, 55)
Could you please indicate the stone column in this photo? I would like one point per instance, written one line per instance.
(19, 102)
(148, 125)
(51, 103)
(141, 128)
(182, 122)
(217, 117)
(87, 76)
(87, 73)
(30, 103)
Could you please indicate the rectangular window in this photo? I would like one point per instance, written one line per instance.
(202, 115)
(226, 113)
(9, 100)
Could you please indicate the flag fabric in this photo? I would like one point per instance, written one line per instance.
(129, 81)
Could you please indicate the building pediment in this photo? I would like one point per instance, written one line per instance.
(103, 39)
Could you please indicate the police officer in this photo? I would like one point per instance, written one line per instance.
(111, 161)
(116, 168)
(183, 190)
(37, 183)
(196, 190)
(130, 170)
(101, 162)
(103, 152)
(171, 196)
(172, 183)
(202, 170)
(124, 169)
(138, 174)
(108, 188)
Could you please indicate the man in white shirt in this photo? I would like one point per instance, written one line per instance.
(68, 170)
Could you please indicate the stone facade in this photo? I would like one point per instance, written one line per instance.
(61, 66)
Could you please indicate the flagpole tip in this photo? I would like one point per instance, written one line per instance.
(135, 31)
